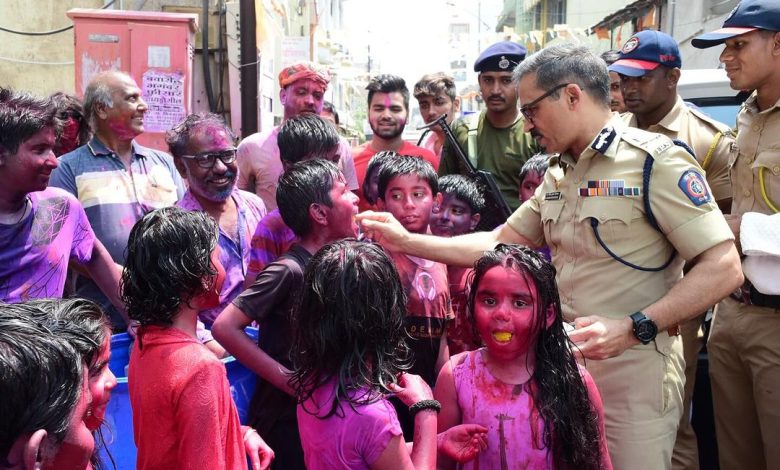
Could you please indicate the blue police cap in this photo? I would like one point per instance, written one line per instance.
(645, 51)
(748, 16)
(500, 57)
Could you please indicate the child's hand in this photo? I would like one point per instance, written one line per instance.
(260, 455)
(411, 389)
(462, 443)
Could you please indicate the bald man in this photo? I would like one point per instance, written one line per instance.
(116, 179)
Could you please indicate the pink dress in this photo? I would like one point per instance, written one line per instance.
(514, 427)
(351, 439)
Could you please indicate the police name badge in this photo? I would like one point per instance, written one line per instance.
(554, 196)
(692, 184)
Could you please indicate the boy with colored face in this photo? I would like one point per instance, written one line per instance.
(458, 213)
(408, 188)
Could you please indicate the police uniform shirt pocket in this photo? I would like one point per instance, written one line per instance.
(766, 168)
(550, 212)
(613, 217)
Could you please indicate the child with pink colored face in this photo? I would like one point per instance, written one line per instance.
(525, 386)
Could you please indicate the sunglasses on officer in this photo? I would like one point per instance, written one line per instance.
(209, 159)
(529, 110)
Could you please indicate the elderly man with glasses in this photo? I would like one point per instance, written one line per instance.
(204, 151)
(621, 209)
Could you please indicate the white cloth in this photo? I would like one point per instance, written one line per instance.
(759, 235)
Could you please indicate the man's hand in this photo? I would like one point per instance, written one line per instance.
(383, 228)
(734, 221)
(260, 455)
(462, 443)
(601, 338)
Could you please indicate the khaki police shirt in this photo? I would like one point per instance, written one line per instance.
(758, 154)
(699, 131)
(559, 214)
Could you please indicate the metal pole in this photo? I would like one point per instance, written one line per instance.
(248, 67)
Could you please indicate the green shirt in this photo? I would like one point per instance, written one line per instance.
(502, 152)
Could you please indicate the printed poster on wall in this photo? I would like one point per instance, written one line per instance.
(164, 93)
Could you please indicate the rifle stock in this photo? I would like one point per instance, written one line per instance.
(496, 209)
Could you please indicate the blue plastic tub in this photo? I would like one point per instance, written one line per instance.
(118, 427)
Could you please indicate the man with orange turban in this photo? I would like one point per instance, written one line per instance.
(303, 87)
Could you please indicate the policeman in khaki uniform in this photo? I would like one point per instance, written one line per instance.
(649, 68)
(619, 277)
(744, 344)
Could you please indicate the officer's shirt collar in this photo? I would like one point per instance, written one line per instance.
(605, 143)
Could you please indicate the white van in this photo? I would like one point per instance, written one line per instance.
(709, 90)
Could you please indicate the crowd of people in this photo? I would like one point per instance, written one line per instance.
(392, 333)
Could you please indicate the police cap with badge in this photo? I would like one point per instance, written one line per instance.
(748, 16)
(500, 57)
(645, 51)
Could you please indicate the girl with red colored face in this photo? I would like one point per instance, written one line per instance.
(539, 406)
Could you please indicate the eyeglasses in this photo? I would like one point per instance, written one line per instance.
(209, 159)
(65, 115)
(529, 110)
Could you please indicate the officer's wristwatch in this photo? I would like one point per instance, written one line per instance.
(645, 329)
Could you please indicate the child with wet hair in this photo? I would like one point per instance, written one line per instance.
(350, 354)
(183, 412)
(540, 407)
(458, 212)
(83, 324)
(368, 191)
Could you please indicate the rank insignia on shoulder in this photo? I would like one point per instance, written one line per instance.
(554, 196)
(604, 139)
(692, 184)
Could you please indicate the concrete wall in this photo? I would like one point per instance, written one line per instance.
(53, 55)
(586, 13)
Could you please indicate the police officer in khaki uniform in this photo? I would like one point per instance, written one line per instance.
(619, 267)
(744, 344)
(649, 68)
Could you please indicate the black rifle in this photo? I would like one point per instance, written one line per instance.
(496, 209)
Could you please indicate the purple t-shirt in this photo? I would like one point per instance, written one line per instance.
(351, 439)
(35, 254)
(234, 254)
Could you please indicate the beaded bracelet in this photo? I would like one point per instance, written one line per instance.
(424, 405)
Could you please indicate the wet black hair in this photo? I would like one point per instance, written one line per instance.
(349, 325)
(168, 263)
(83, 324)
(23, 115)
(610, 56)
(303, 184)
(373, 165)
(464, 189)
(560, 395)
(405, 165)
(386, 83)
(41, 378)
(306, 136)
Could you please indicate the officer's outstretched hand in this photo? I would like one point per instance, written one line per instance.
(601, 338)
(382, 228)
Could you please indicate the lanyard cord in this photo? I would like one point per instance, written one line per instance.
(594, 223)
(762, 185)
